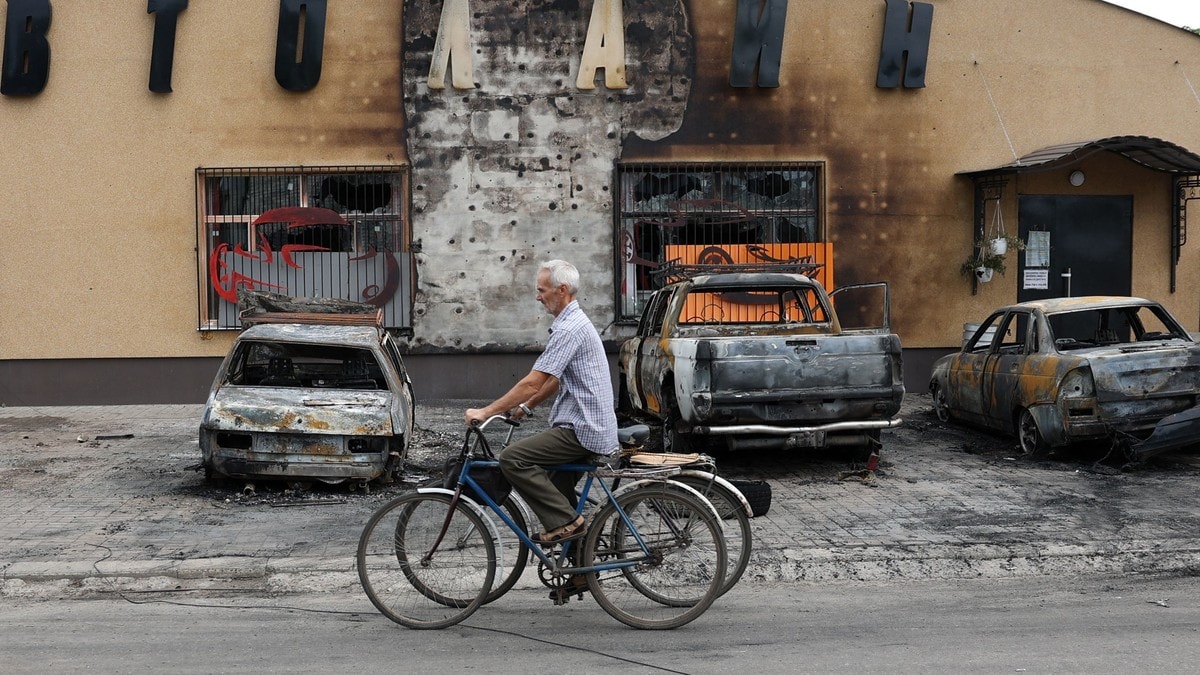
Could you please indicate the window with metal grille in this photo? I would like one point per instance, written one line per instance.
(696, 212)
(318, 232)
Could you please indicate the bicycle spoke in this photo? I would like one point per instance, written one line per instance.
(412, 582)
(680, 572)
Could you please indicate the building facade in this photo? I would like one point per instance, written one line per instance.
(426, 157)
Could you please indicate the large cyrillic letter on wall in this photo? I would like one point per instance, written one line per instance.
(300, 44)
(162, 53)
(604, 47)
(26, 49)
(453, 39)
(899, 40)
(757, 41)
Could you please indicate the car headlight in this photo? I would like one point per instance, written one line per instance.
(1078, 384)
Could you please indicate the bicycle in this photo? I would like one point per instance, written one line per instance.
(654, 556)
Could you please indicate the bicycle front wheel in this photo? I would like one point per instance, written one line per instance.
(679, 572)
(423, 565)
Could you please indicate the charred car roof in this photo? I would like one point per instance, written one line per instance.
(357, 336)
(1057, 305)
(751, 280)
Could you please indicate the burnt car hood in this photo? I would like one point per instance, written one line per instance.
(1145, 370)
(302, 410)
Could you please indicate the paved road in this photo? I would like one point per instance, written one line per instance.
(90, 496)
(1027, 625)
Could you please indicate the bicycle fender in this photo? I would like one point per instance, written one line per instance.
(742, 501)
(674, 485)
(483, 512)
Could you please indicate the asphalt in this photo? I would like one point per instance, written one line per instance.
(96, 498)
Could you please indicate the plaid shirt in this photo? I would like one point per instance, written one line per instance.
(576, 357)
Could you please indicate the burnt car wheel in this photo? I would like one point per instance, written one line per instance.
(941, 407)
(1032, 442)
(673, 440)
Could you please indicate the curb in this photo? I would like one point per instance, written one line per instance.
(781, 565)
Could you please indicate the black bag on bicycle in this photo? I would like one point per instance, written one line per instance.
(489, 478)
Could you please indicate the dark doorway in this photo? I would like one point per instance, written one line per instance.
(1088, 237)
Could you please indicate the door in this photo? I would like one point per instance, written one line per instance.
(1075, 246)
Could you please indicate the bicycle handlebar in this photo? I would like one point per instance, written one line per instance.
(503, 418)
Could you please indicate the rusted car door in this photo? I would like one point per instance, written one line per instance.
(644, 372)
(966, 378)
(1002, 371)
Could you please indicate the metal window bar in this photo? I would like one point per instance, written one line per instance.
(357, 248)
(708, 205)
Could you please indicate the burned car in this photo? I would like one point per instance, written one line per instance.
(311, 397)
(1065, 370)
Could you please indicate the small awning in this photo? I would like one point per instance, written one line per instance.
(1152, 153)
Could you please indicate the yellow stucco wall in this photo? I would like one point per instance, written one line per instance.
(98, 199)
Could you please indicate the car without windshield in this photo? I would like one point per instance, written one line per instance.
(309, 397)
(1066, 370)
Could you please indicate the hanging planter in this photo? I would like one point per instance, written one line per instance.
(999, 246)
(983, 267)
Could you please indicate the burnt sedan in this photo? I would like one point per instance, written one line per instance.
(1060, 371)
(301, 401)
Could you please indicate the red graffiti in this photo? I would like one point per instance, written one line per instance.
(226, 281)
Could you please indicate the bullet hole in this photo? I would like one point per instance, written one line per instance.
(466, 99)
(472, 240)
(521, 67)
(558, 83)
(420, 187)
(579, 188)
(514, 224)
(529, 135)
(458, 310)
(558, 157)
(451, 242)
(604, 188)
(574, 240)
(553, 240)
(462, 275)
(577, 156)
(420, 209)
(612, 134)
(420, 311)
(503, 258)
(574, 206)
(553, 206)
(559, 186)
(471, 207)
(427, 135)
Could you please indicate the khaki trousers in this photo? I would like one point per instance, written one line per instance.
(551, 494)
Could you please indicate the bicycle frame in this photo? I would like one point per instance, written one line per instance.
(554, 564)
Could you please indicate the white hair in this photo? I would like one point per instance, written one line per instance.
(562, 272)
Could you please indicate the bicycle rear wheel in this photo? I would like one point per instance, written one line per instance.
(735, 524)
(407, 583)
(682, 573)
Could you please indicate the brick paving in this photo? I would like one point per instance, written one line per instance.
(116, 491)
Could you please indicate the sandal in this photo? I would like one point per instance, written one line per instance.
(565, 533)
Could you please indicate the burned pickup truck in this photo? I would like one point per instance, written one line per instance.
(743, 359)
(309, 397)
